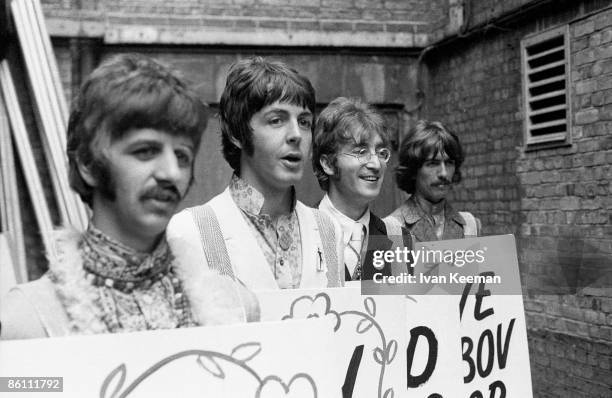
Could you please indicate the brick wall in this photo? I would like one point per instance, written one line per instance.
(474, 89)
(557, 201)
(399, 23)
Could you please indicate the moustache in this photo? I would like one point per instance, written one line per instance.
(166, 194)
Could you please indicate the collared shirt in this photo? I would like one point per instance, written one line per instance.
(421, 225)
(280, 241)
(347, 224)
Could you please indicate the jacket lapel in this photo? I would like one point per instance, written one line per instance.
(377, 240)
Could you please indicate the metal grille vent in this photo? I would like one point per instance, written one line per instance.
(545, 83)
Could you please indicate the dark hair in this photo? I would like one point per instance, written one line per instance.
(425, 141)
(342, 121)
(128, 91)
(251, 85)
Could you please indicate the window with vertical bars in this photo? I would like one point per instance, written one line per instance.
(546, 87)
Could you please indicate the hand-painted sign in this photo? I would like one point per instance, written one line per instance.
(488, 325)
(265, 360)
(369, 335)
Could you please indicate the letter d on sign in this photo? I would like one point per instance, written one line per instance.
(432, 358)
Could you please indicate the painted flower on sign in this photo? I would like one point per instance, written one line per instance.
(319, 306)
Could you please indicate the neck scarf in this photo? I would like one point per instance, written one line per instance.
(112, 263)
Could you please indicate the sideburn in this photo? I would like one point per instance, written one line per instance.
(105, 183)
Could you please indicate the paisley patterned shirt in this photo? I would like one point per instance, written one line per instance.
(135, 291)
(279, 240)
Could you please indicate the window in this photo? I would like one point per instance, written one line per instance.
(546, 87)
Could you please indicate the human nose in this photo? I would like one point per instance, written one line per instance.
(293, 132)
(373, 161)
(168, 168)
(443, 170)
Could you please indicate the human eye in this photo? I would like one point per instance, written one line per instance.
(359, 151)
(145, 152)
(184, 157)
(384, 153)
(305, 122)
(275, 119)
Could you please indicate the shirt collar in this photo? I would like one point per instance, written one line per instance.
(249, 199)
(345, 222)
(412, 212)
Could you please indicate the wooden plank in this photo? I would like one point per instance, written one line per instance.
(28, 163)
(45, 120)
(9, 195)
(52, 64)
(52, 123)
(7, 271)
(78, 213)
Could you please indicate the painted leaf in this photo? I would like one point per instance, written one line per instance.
(391, 350)
(364, 325)
(370, 306)
(211, 366)
(119, 372)
(389, 393)
(247, 351)
(378, 355)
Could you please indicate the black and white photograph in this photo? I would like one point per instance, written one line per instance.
(306, 198)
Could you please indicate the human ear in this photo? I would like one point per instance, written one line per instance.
(326, 163)
(86, 173)
(235, 141)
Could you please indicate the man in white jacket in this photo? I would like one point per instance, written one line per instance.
(256, 230)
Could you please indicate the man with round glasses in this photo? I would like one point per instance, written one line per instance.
(350, 155)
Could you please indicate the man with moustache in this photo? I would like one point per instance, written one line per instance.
(256, 230)
(430, 161)
(350, 155)
(133, 133)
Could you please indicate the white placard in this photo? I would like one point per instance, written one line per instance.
(492, 336)
(434, 351)
(494, 349)
(263, 360)
(369, 334)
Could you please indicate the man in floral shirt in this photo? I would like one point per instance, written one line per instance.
(256, 230)
(133, 134)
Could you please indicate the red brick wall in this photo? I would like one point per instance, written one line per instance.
(557, 201)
